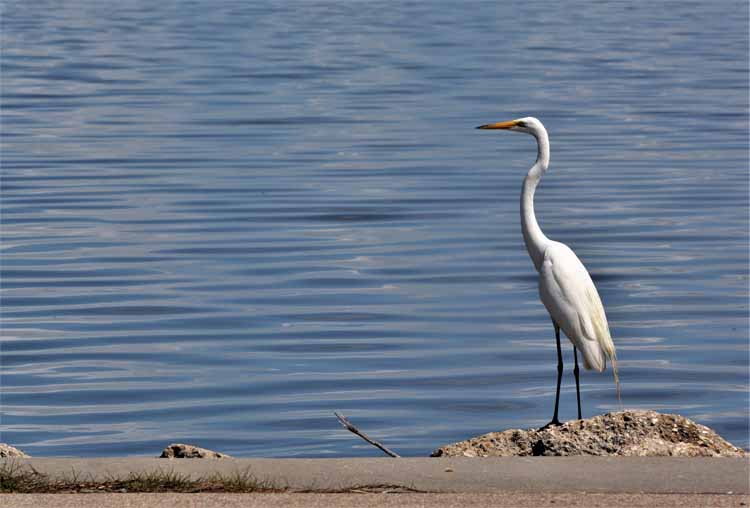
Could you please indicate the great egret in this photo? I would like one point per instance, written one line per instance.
(565, 287)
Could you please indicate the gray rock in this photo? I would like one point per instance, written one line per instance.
(185, 451)
(624, 433)
(7, 450)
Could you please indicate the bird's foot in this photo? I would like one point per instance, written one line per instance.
(554, 423)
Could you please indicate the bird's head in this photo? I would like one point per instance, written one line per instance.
(529, 125)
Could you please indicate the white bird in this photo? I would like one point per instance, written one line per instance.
(565, 287)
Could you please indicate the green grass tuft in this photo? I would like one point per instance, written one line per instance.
(16, 478)
(23, 479)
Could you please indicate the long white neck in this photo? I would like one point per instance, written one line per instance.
(536, 242)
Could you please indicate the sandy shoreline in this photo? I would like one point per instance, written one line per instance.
(665, 475)
(501, 500)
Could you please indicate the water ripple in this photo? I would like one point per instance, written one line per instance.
(220, 225)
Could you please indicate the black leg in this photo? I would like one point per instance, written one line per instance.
(555, 421)
(578, 386)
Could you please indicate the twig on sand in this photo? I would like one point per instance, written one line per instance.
(351, 428)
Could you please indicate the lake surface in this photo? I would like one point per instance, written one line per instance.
(223, 221)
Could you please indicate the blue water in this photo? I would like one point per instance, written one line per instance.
(222, 221)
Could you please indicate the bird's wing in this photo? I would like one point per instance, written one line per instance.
(569, 294)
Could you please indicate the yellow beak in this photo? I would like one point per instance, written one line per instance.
(499, 125)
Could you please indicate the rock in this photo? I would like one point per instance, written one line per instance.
(7, 450)
(624, 433)
(185, 451)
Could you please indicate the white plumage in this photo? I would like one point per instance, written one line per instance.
(565, 287)
(569, 294)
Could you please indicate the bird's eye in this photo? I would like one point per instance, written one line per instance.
(520, 124)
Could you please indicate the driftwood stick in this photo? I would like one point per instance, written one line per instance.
(351, 428)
